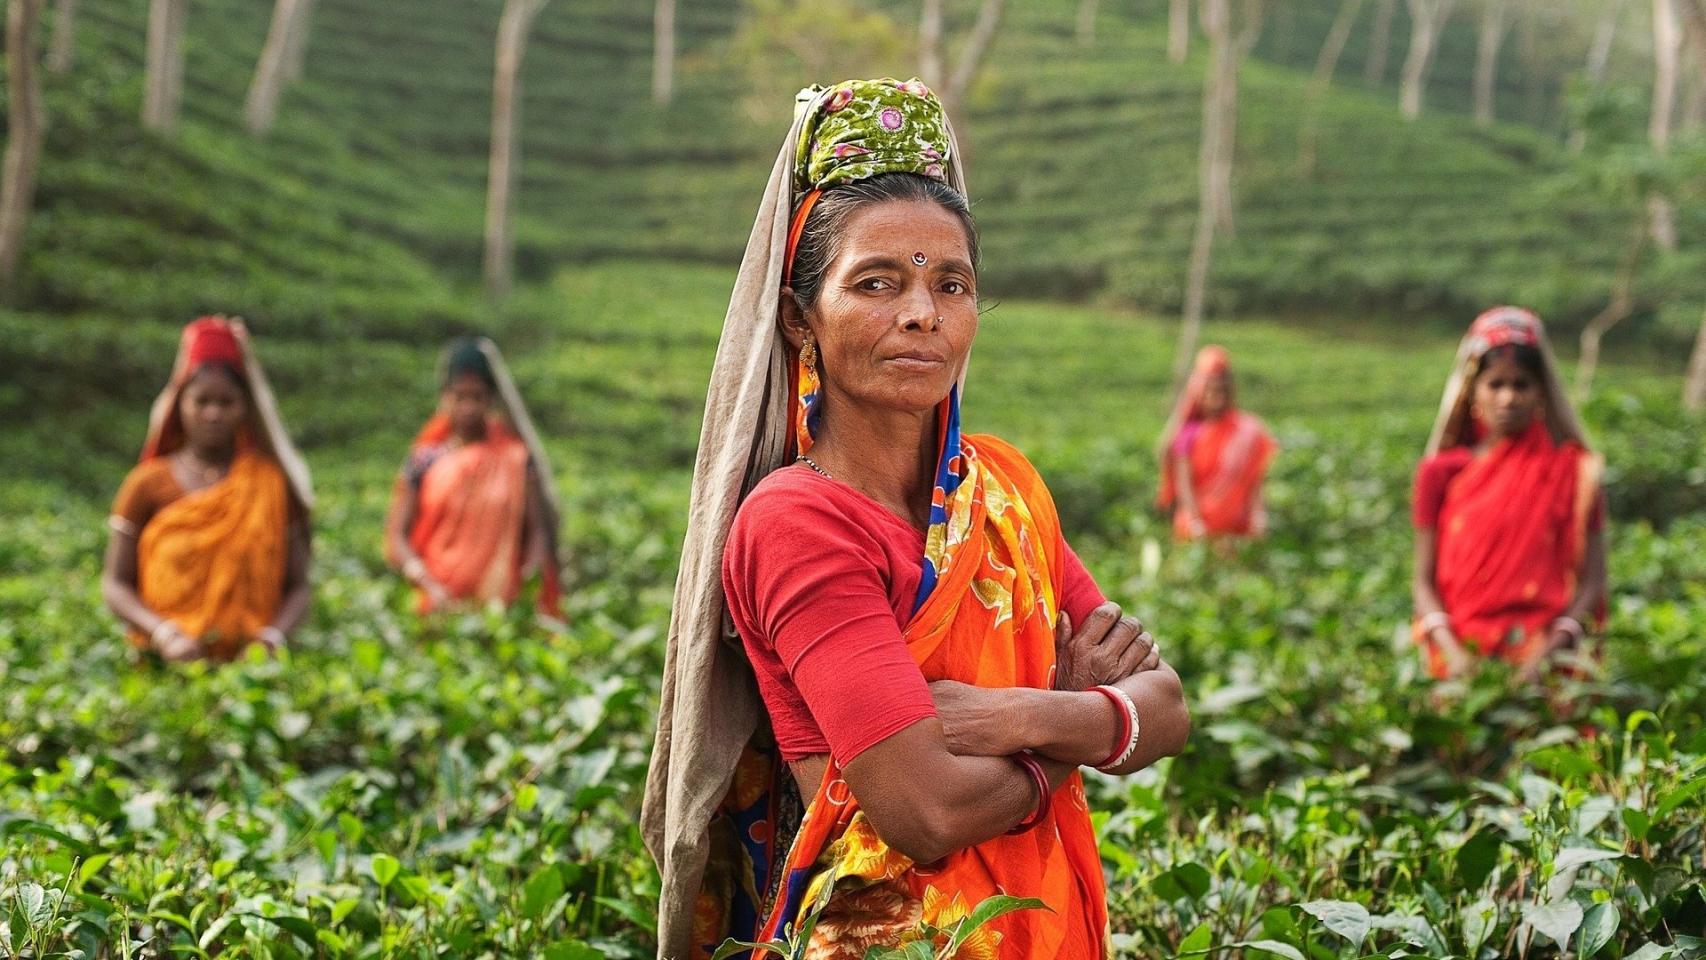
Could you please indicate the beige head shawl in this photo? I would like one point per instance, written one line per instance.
(274, 438)
(1494, 328)
(515, 411)
(710, 707)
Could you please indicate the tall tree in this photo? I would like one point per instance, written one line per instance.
(1229, 42)
(663, 51)
(1086, 22)
(163, 69)
(513, 27)
(296, 50)
(1178, 30)
(972, 51)
(930, 68)
(1379, 42)
(1495, 20)
(1427, 22)
(64, 42)
(1693, 17)
(289, 19)
(24, 128)
(1667, 56)
(1326, 64)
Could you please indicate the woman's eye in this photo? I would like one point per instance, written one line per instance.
(871, 283)
(954, 287)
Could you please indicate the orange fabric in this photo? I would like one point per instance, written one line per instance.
(1512, 530)
(148, 488)
(214, 560)
(1228, 457)
(990, 621)
(470, 517)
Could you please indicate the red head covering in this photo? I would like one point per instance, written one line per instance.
(209, 340)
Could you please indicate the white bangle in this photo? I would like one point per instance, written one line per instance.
(1435, 620)
(1570, 625)
(1131, 741)
(414, 570)
(159, 628)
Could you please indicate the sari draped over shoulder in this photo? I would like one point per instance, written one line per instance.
(1514, 521)
(988, 621)
(214, 560)
(1512, 529)
(470, 526)
(1228, 457)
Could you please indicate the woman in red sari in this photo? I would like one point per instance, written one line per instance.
(472, 514)
(1509, 516)
(210, 546)
(1214, 457)
(932, 663)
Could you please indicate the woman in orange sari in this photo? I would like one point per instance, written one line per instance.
(1509, 515)
(473, 515)
(932, 663)
(210, 547)
(1214, 457)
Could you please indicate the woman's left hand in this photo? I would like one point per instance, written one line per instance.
(977, 721)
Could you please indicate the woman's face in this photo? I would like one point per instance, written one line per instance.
(212, 408)
(1216, 395)
(897, 311)
(467, 402)
(1507, 396)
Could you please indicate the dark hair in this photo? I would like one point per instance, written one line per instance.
(466, 358)
(820, 241)
(1523, 355)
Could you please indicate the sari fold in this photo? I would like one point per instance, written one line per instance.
(214, 560)
(989, 620)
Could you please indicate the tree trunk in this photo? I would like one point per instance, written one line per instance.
(1599, 59)
(1694, 385)
(261, 106)
(1667, 54)
(24, 127)
(1428, 19)
(163, 72)
(1622, 304)
(513, 26)
(1379, 42)
(1493, 24)
(1178, 30)
(930, 68)
(971, 55)
(1086, 22)
(296, 46)
(1242, 42)
(1214, 16)
(663, 51)
(64, 48)
(1326, 63)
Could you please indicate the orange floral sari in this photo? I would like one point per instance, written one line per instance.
(214, 560)
(989, 621)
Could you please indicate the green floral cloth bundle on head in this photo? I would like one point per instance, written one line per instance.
(860, 128)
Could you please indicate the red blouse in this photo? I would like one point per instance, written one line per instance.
(820, 581)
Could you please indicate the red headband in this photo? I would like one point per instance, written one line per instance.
(211, 340)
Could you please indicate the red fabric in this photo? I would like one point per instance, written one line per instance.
(211, 340)
(1512, 525)
(820, 580)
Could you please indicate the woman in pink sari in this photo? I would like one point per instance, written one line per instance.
(1214, 457)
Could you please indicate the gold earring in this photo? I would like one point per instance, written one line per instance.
(808, 352)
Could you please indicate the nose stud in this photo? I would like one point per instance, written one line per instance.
(919, 258)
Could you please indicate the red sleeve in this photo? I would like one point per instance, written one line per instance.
(817, 585)
(1079, 593)
(1433, 475)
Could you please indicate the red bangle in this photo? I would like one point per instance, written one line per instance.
(1125, 724)
(1040, 780)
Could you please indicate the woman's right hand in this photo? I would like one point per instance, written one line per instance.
(437, 594)
(1108, 648)
(175, 645)
(1451, 652)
